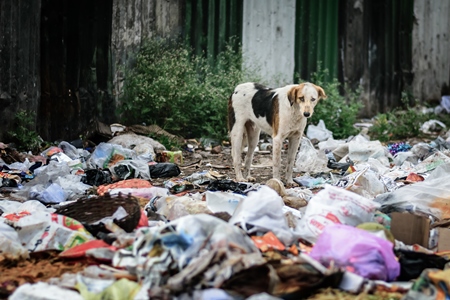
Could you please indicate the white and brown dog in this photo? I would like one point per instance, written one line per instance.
(280, 112)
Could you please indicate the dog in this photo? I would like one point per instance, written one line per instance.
(281, 112)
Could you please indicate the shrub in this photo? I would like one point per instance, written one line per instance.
(25, 138)
(401, 123)
(339, 112)
(181, 92)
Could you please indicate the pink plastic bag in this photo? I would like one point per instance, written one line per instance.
(357, 251)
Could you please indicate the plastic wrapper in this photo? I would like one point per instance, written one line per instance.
(431, 162)
(334, 205)
(164, 170)
(309, 159)
(357, 251)
(262, 211)
(39, 231)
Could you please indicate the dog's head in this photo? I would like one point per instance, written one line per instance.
(306, 95)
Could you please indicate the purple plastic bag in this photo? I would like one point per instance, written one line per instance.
(357, 251)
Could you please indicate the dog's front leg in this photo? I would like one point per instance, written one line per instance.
(294, 142)
(276, 157)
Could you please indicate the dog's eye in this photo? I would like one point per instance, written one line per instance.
(312, 99)
(302, 99)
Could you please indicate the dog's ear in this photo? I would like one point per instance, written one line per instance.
(295, 92)
(321, 92)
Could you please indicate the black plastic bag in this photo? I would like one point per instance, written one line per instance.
(227, 185)
(412, 263)
(96, 177)
(163, 170)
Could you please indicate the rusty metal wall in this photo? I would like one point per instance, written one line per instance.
(431, 49)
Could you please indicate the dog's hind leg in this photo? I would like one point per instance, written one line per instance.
(236, 137)
(294, 142)
(252, 137)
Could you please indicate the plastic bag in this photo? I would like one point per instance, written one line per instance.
(262, 211)
(10, 244)
(106, 155)
(319, 132)
(164, 170)
(39, 231)
(69, 150)
(309, 159)
(429, 197)
(51, 194)
(43, 291)
(127, 169)
(357, 251)
(96, 177)
(223, 201)
(359, 150)
(334, 205)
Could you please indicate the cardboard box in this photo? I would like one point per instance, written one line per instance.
(413, 229)
(443, 239)
(410, 229)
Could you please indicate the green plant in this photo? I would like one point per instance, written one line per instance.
(179, 91)
(339, 112)
(22, 134)
(170, 143)
(399, 123)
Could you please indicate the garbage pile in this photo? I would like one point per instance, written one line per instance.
(365, 218)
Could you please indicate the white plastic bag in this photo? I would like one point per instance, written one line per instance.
(263, 210)
(319, 132)
(309, 159)
(223, 201)
(10, 244)
(334, 205)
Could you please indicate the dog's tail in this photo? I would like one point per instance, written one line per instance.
(231, 116)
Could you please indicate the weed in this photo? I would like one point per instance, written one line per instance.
(24, 137)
